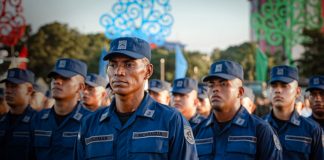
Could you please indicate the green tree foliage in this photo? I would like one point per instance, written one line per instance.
(55, 40)
(312, 60)
(243, 54)
(198, 64)
(169, 57)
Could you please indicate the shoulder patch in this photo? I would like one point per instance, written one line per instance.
(188, 134)
(277, 142)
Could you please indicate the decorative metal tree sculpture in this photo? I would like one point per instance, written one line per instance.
(12, 22)
(281, 22)
(146, 19)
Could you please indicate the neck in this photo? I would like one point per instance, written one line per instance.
(227, 115)
(318, 117)
(18, 109)
(283, 113)
(63, 108)
(129, 103)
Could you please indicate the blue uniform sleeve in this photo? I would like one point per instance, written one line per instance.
(317, 144)
(182, 143)
(268, 145)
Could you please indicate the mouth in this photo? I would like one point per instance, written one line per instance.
(278, 98)
(216, 98)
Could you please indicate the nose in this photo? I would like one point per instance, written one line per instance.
(120, 70)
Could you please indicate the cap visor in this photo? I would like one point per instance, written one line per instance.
(13, 80)
(154, 89)
(124, 53)
(220, 75)
(315, 87)
(202, 96)
(91, 84)
(182, 90)
(63, 73)
(281, 79)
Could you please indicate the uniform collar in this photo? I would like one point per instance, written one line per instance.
(26, 116)
(294, 118)
(145, 109)
(76, 113)
(196, 119)
(240, 119)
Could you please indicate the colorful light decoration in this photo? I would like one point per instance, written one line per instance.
(281, 22)
(12, 22)
(146, 19)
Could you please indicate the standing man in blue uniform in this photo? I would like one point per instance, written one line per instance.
(185, 99)
(134, 126)
(204, 107)
(95, 92)
(160, 91)
(15, 126)
(230, 132)
(316, 98)
(56, 129)
(301, 138)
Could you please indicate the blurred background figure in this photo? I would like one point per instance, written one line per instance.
(95, 91)
(159, 91)
(247, 100)
(4, 108)
(301, 106)
(109, 96)
(50, 101)
(204, 107)
(316, 98)
(38, 98)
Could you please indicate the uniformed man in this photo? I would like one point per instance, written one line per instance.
(230, 132)
(95, 91)
(4, 108)
(38, 98)
(134, 126)
(56, 129)
(185, 99)
(316, 98)
(160, 91)
(15, 132)
(301, 138)
(204, 107)
(247, 100)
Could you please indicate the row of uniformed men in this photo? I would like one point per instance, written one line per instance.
(137, 127)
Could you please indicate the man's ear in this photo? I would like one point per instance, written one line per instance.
(149, 71)
(241, 92)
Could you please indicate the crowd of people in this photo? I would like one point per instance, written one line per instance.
(86, 116)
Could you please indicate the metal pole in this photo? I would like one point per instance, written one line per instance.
(162, 69)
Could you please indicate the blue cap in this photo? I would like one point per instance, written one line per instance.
(316, 82)
(184, 85)
(225, 69)
(95, 80)
(202, 91)
(283, 73)
(18, 76)
(68, 67)
(156, 85)
(129, 46)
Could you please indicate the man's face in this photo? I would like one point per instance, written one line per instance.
(66, 88)
(37, 101)
(203, 106)
(127, 75)
(92, 96)
(223, 94)
(17, 94)
(185, 103)
(316, 100)
(161, 97)
(248, 104)
(283, 94)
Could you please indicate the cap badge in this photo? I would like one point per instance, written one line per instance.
(62, 64)
(11, 74)
(218, 68)
(316, 81)
(280, 71)
(122, 44)
(179, 84)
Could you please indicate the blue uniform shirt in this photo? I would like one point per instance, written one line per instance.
(195, 122)
(154, 131)
(15, 139)
(300, 137)
(244, 137)
(320, 122)
(52, 141)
